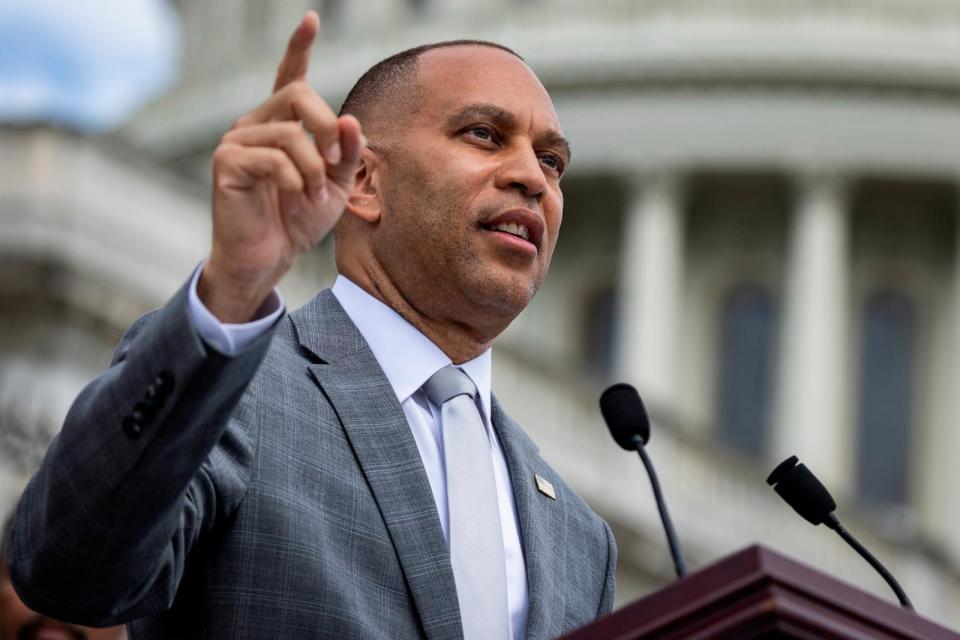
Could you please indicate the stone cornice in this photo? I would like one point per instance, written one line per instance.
(911, 47)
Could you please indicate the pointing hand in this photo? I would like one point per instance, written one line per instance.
(281, 179)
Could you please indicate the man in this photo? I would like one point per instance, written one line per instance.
(238, 473)
(18, 622)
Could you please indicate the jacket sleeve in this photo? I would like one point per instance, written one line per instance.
(103, 529)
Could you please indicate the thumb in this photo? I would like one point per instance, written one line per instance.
(352, 144)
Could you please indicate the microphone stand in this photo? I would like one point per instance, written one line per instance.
(679, 565)
(797, 485)
(832, 522)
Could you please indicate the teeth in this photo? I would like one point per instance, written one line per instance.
(515, 229)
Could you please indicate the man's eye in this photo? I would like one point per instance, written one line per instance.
(482, 133)
(552, 161)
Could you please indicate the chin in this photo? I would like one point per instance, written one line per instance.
(508, 295)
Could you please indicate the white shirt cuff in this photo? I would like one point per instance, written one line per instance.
(230, 339)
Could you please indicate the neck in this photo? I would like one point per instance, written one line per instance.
(459, 340)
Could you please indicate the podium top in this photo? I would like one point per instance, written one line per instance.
(760, 593)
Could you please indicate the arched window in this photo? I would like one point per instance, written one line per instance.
(600, 327)
(885, 407)
(747, 344)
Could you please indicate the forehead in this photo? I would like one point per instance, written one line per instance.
(451, 77)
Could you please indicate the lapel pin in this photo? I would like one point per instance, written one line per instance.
(544, 487)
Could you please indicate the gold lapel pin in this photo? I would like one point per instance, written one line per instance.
(544, 487)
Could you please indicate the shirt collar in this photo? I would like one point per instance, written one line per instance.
(408, 358)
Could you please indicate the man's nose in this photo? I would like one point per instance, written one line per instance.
(522, 171)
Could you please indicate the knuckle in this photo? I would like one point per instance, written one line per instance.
(289, 178)
(304, 97)
(317, 172)
(328, 134)
(289, 130)
(276, 157)
(223, 154)
(299, 89)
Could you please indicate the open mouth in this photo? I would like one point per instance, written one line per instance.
(520, 229)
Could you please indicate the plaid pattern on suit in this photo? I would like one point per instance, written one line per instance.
(276, 494)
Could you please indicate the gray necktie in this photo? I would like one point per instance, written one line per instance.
(476, 539)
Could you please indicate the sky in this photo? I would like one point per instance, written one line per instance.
(84, 64)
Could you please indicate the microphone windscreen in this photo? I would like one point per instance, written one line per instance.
(625, 415)
(800, 488)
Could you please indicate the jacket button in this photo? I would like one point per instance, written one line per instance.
(143, 413)
(132, 427)
(149, 405)
(164, 383)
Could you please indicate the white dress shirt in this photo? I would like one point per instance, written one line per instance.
(408, 358)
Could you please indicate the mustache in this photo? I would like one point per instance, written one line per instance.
(30, 630)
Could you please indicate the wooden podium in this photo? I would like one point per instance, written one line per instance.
(759, 593)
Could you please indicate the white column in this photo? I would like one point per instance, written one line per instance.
(651, 287)
(812, 417)
(937, 470)
(949, 478)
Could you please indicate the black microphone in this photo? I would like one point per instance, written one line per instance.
(796, 484)
(629, 425)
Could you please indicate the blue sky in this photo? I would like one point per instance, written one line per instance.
(85, 64)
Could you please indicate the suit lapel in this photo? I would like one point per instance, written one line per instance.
(542, 527)
(378, 431)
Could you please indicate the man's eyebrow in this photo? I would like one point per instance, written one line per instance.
(498, 115)
(554, 139)
(503, 118)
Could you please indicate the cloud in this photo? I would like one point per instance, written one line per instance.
(85, 64)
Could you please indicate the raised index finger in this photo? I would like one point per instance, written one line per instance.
(296, 58)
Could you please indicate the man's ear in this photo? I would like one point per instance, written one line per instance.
(364, 200)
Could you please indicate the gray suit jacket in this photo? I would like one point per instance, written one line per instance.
(275, 494)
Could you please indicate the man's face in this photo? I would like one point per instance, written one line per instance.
(17, 622)
(471, 192)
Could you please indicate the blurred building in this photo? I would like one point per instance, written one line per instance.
(760, 233)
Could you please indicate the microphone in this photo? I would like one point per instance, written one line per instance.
(625, 415)
(797, 485)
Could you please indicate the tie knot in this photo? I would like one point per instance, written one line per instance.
(448, 383)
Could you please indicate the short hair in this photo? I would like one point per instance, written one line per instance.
(385, 82)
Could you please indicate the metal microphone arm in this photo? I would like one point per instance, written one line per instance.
(679, 565)
(832, 522)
